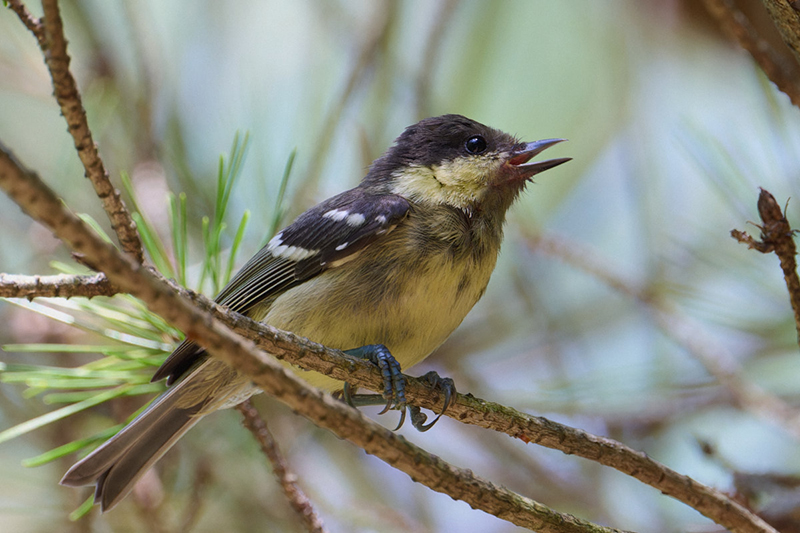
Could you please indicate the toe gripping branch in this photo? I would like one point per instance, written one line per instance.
(394, 387)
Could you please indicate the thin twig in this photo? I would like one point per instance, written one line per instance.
(57, 286)
(286, 478)
(736, 24)
(54, 48)
(777, 236)
(39, 202)
(32, 23)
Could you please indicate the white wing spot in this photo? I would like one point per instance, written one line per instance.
(342, 246)
(292, 253)
(336, 214)
(355, 220)
(275, 242)
(380, 219)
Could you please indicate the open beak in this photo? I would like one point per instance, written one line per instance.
(523, 153)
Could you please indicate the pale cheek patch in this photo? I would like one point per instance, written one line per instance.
(292, 253)
(459, 183)
(468, 175)
(466, 180)
(419, 184)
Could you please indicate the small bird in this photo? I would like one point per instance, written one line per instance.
(384, 271)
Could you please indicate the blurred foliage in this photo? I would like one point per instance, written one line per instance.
(671, 130)
(138, 340)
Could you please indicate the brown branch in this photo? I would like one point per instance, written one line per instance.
(32, 23)
(287, 480)
(49, 33)
(777, 236)
(739, 28)
(58, 286)
(39, 202)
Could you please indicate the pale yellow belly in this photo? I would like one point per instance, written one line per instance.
(410, 310)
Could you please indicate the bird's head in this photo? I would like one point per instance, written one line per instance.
(452, 160)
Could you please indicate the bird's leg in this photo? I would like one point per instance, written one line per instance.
(394, 387)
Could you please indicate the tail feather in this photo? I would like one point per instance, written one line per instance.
(122, 460)
(118, 480)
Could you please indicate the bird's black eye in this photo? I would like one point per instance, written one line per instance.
(475, 144)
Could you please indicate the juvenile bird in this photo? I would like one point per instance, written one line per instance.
(384, 271)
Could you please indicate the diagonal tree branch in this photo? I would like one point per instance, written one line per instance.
(49, 33)
(43, 205)
(39, 202)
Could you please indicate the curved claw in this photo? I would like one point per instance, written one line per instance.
(418, 419)
(402, 418)
(347, 396)
(450, 394)
(386, 407)
(448, 387)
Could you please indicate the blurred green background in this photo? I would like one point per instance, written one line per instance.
(672, 131)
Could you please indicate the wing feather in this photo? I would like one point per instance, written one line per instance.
(323, 237)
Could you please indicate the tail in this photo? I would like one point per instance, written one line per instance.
(122, 460)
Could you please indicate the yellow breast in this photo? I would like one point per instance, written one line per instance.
(405, 292)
